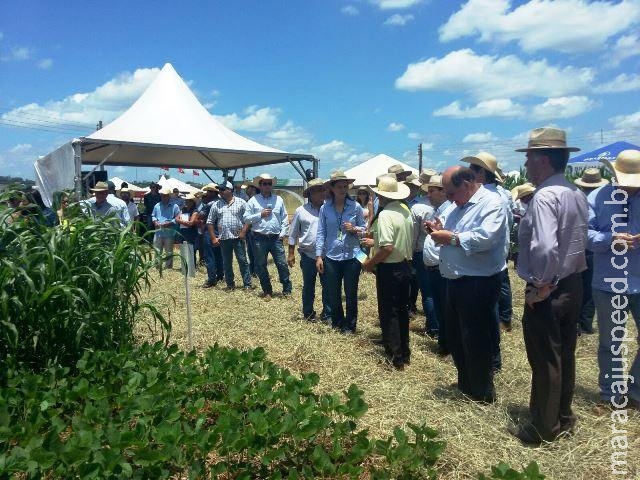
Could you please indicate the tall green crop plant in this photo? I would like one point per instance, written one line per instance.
(65, 290)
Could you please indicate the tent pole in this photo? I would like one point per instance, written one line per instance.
(315, 167)
(77, 157)
(299, 169)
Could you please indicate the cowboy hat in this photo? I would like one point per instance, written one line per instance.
(412, 180)
(485, 160)
(399, 171)
(389, 187)
(166, 191)
(190, 196)
(426, 174)
(591, 178)
(547, 138)
(315, 183)
(339, 175)
(264, 176)
(210, 187)
(521, 191)
(100, 187)
(434, 181)
(626, 168)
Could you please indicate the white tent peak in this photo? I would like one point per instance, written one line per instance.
(169, 114)
(367, 171)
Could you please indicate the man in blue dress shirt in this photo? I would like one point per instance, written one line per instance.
(269, 222)
(614, 238)
(472, 256)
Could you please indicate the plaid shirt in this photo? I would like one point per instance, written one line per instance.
(229, 217)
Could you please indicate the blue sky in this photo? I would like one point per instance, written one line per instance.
(341, 79)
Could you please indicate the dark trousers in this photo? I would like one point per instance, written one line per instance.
(265, 244)
(505, 301)
(470, 311)
(414, 289)
(431, 322)
(212, 260)
(437, 287)
(237, 246)
(588, 309)
(309, 275)
(392, 285)
(250, 248)
(550, 332)
(335, 272)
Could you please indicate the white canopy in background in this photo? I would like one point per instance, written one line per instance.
(117, 181)
(366, 172)
(172, 183)
(168, 126)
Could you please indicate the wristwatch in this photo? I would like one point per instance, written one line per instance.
(454, 240)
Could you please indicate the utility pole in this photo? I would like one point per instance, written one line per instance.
(419, 158)
(99, 125)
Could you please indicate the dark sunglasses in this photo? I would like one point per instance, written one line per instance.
(266, 183)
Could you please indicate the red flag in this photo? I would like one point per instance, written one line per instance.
(180, 170)
(165, 168)
(196, 173)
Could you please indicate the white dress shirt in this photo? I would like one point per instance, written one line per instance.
(303, 230)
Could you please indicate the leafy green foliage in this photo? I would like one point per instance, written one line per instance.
(157, 412)
(502, 471)
(67, 289)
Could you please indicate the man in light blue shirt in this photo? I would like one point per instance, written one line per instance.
(614, 238)
(472, 255)
(164, 221)
(269, 222)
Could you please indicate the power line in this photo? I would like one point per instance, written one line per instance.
(45, 128)
(44, 119)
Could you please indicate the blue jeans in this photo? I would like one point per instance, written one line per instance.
(228, 248)
(309, 273)
(262, 247)
(334, 273)
(428, 308)
(608, 363)
(250, 248)
(211, 260)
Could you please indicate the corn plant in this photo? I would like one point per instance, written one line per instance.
(68, 289)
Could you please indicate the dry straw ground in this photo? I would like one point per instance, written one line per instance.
(476, 435)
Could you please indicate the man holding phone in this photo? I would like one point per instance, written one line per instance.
(269, 222)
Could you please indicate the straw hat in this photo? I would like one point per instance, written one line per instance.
(591, 178)
(485, 160)
(125, 190)
(521, 191)
(413, 180)
(426, 174)
(626, 168)
(339, 175)
(166, 191)
(399, 171)
(547, 138)
(264, 176)
(434, 181)
(389, 187)
(316, 182)
(190, 196)
(210, 187)
(100, 187)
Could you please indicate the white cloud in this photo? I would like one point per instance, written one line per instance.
(395, 4)
(563, 25)
(45, 63)
(350, 10)
(626, 121)
(398, 19)
(17, 53)
(625, 47)
(104, 103)
(215, 93)
(338, 154)
(255, 119)
(21, 148)
(289, 136)
(489, 77)
(395, 127)
(479, 137)
(414, 136)
(501, 107)
(622, 83)
(562, 107)
(120, 169)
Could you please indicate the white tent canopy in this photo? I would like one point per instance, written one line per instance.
(168, 126)
(172, 183)
(117, 181)
(366, 172)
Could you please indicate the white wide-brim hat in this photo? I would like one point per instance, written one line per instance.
(626, 168)
(389, 187)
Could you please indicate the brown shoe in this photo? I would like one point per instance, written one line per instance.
(505, 327)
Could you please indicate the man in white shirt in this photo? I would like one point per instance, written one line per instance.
(303, 230)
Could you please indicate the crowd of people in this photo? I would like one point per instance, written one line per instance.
(446, 238)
